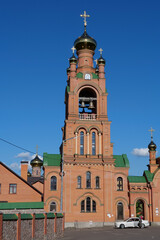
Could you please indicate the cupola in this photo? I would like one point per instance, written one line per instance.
(85, 41)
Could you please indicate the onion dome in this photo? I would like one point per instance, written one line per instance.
(101, 60)
(97, 70)
(152, 146)
(73, 59)
(36, 162)
(28, 174)
(68, 70)
(85, 42)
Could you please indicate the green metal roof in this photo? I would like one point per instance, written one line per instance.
(121, 160)
(59, 215)
(9, 217)
(51, 159)
(39, 216)
(26, 216)
(22, 205)
(68, 89)
(79, 75)
(149, 176)
(95, 76)
(50, 215)
(137, 179)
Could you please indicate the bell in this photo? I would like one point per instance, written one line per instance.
(83, 105)
(91, 106)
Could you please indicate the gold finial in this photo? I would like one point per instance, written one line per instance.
(100, 50)
(84, 15)
(151, 130)
(37, 150)
(73, 49)
(96, 61)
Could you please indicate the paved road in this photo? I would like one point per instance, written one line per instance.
(109, 233)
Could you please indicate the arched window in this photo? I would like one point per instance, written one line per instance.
(93, 206)
(79, 182)
(97, 182)
(88, 204)
(140, 208)
(119, 184)
(81, 143)
(120, 211)
(53, 183)
(53, 206)
(93, 143)
(88, 180)
(82, 206)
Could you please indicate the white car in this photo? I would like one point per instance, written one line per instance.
(131, 222)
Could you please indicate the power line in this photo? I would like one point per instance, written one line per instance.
(14, 145)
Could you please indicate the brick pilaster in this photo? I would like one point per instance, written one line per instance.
(1, 226)
(19, 227)
(63, 223)
(45, 224)
(55, 223)
(33, 225)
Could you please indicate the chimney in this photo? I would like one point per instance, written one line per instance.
(24, 169)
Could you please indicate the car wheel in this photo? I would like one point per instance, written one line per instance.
(122, 226)
(142, 225)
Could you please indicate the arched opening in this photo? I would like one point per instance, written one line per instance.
(140, 208)
(53, 186)
(87, 104)
(81, 143)
(53, 206)
(79, 182)
(88, 180)
(120, 211)
(119, 184)
(97, 182)
(93, 143)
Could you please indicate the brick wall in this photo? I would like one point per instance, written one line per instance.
(20, 226)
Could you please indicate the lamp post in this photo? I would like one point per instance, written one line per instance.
(61, 205)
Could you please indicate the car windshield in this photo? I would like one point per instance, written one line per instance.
(126, 219)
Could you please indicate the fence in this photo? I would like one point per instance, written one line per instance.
(36, 226)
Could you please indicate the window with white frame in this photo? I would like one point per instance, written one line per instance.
(12, 188)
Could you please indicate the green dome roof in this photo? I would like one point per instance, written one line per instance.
(85, 42)
(36, 162)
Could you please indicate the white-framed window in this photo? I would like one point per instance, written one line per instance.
(12, 188)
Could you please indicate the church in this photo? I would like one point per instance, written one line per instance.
(86, 180)
(89, 183)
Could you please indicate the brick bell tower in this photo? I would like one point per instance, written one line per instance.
(86, 147)
(86, 106)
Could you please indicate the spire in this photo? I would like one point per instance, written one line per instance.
(151, 130)
(100, 50)
(73, 59)
(73, 49)
(36, 150)
(101, 59)
(152, 146)
(84, 15)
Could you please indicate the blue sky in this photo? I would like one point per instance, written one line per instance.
(35, 43)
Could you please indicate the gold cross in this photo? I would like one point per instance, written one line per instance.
(101, 50)
(84, 15)
(37, 150)
(96, 61)
(151, 130)
(73, 49)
